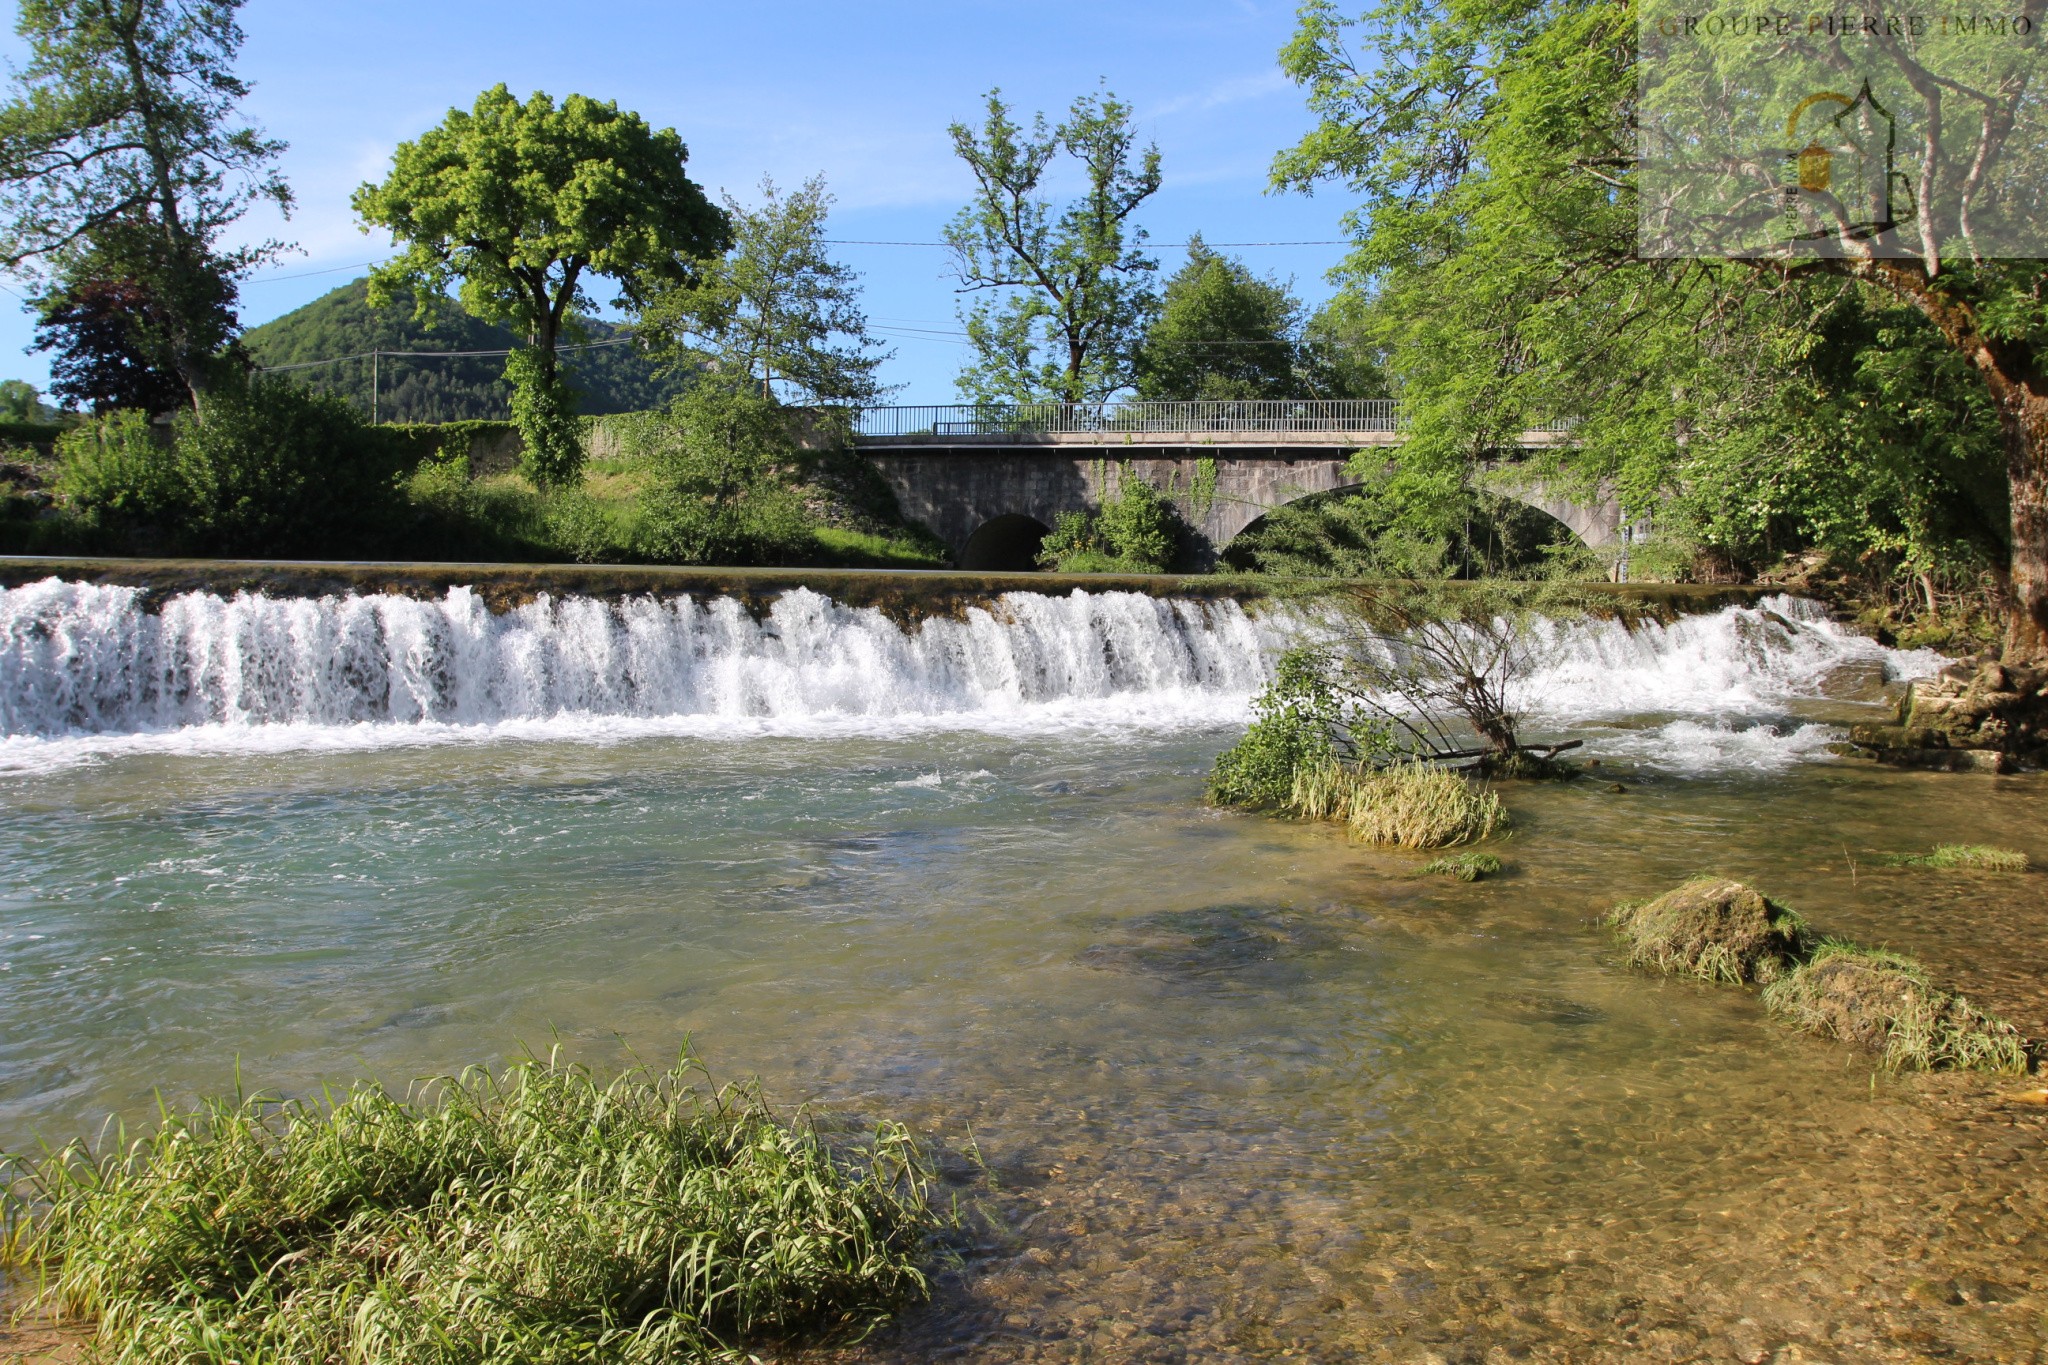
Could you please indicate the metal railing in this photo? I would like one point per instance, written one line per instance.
(1277, 416)
(1053, 419)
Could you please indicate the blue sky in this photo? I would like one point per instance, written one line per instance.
(860, 92)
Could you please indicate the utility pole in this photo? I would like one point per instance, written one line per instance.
(373, 388)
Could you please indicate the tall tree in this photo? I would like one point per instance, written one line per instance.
(525, 204)
(776, 309)
(1495, 146)
(91, 329)
(1221, 333)
(1077, 284)
(121, 139)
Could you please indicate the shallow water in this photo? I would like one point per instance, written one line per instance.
(1246, 1092)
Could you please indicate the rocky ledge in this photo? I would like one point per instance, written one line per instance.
(1968, 718)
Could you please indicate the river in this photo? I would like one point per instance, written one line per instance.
(1245, 1092)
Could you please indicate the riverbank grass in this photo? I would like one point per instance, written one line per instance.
(1466, 867)
(1407, 805)
(535, 1214)
(1884, 1003)
(1976, 857)
(1711, 928)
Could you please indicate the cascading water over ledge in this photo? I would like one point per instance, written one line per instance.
(87, 669)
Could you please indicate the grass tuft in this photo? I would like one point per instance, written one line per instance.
(1409, 805)
(535, 1214)
(1711, 928)
(1980, 857)
(1466, 867)
(1883, 1002)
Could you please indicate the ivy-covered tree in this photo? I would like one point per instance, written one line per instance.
(122, 163)
(1075, 282)
(525, 204)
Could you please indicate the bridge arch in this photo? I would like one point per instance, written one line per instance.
(1005, 544)
(1583, 523)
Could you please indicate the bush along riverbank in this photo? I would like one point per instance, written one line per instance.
(533, 1214)
(1393, 719)
(1883, 1002)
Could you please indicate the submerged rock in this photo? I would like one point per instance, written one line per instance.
(1992, 718)
(1884, 1003)
(1712, 928)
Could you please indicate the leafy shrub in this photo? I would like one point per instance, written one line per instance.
(1300, 722)
(277, 469)
(119, 468)
(535, 1215)
(1137, 531)
(721, 493)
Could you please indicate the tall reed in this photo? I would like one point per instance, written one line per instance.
(536, 1214)
(1407, 805)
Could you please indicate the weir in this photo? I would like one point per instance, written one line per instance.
(85, 662)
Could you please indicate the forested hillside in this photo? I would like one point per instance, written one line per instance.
(438, 388)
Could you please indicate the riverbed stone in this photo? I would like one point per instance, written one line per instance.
(1990, 717)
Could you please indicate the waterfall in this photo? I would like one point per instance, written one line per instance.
(81, 663)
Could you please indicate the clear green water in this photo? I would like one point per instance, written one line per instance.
(1246, 1092)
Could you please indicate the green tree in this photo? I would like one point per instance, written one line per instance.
(1221, 333)
(122, 158)
(1076, 284)
(525, 204)
(20, 402)
(722, 492)
(1494, 147)
(776, 309)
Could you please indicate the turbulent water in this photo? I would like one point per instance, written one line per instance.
(87, 670)
(1247, 1092)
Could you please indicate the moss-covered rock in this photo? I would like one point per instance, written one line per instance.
(1884, 1003)
(1714, 929)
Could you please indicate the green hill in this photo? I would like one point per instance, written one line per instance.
(438, 388)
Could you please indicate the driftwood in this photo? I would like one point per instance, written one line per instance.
(1540, 750)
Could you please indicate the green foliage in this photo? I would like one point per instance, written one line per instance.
(117, 469)
(1885, 1003)
(1076, 296)
(20, 402)
(1221, 333)
(1465, 867)
(776, 308)
(1299, 722)
(442, 389)
(544, 411)
(1137, 531)
(722, 493)
(524, 203)
(275, 470)
(533, 1215)
(1976, 857)
(121, 157)
(1395, 528)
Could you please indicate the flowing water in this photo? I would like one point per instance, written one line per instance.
(1245, 1092)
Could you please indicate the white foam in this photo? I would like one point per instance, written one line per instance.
(87, 674)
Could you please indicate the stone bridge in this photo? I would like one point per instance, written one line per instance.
(992, 486)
